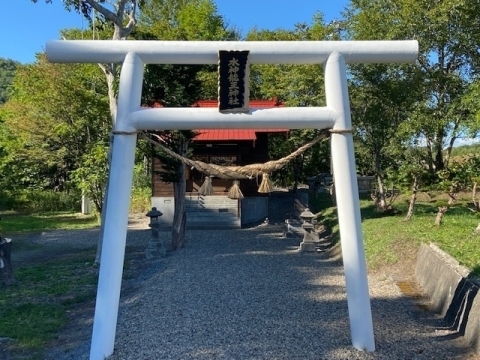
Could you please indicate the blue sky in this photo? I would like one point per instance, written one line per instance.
(42, 22)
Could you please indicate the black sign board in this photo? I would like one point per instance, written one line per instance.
(233, 73)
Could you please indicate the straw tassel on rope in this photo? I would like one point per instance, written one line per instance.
(234, 192)
(206, 188)
(266, 186)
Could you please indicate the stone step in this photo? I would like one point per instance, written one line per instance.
(212, 212)
(213, 209)
(217, 214)
(212, 225)
(210, 206)
(211, 200)
(200, 205)
(205, 219)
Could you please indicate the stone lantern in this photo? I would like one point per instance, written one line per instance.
(155, 248)
(309, 237)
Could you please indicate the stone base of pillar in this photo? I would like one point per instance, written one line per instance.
(309, 239)
(155, 250)
(307, 247)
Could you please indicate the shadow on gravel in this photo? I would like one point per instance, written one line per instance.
(248, 294)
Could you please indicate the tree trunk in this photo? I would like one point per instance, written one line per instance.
(413, 199)
(476, 203)
(439, 163)
(6, 272)
(333, 196)
(110, 72)
(431, 169)
(380, 201)
(110, 75)
(452, 195)
(180, 215)
(451, 143)
(441, 211)
(297, 169)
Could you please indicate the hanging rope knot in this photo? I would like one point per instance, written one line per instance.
(340, 131)
(116, 132)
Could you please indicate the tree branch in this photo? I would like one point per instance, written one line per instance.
(131, 22)
(109, 15)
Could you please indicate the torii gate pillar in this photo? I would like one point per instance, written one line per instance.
(131, 117)
(348, 205)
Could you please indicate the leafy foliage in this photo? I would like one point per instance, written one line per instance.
(447, 58)
(7, 72)
(55, 116)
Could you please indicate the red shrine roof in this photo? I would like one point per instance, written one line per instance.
(236, 134)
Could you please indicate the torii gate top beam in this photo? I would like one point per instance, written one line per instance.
(206, 52)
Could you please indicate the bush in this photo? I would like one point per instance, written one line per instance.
(141, 178)
(7, 202)
(140, 200)
(34, 201)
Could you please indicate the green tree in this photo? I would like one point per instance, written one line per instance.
(7, 72)
(448, 41)
(122, 16)
(55, 113)
(381, 102)
(91, 174)
(410, 172)
(296, 85)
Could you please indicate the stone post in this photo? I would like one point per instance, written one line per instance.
(155, 247)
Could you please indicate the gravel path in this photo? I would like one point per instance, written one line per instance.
(248, 294)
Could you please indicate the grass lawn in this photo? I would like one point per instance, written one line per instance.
(15, 223)
(35, 308)
(387, 238)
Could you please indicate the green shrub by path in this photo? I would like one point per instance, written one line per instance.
(141, 200)
(33, 201)
(388, 238)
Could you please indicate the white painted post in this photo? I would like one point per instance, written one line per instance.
(86, 207)
(348, 206)
(116, 217)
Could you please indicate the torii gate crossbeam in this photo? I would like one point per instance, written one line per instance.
(130, 118)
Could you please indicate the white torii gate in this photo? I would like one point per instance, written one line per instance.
(131, 117)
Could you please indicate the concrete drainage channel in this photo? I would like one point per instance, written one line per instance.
(453, 294)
